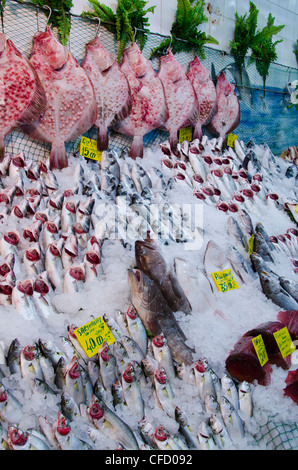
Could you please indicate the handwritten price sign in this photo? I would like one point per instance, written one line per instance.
(185, 134)
(225, 280)
(88, 149)
(260, 349)
(92, 335)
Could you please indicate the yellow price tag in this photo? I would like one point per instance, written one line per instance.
(231, 139)
(251, 245)
(225, 280)
(260, 349)
(296, 208)
(88, 149)
(185, 134)
(284, 341)
(92, 335)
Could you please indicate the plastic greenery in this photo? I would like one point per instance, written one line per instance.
(60, 17)
(245, 36)
(185, 35)
(295, 49)
(129, 23)
(264, 52)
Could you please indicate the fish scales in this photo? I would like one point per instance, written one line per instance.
(180, 97)
(71, 105)
(149, 110)
(227, 117)
(205, 91)
(23, 96)
(111, 88)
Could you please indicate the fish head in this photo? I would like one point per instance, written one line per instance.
(170, 69)
(136, 60)
(198, 71)
(51, 51)
(98, 54)
(223, 86)
(149, 259)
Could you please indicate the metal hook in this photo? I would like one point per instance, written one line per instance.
(171, 40)
(98, 26)
(48, 18)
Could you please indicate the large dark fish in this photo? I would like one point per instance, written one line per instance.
(71, 106)
(156, 315)
(151, 261)
(111, 88)
(22, 97)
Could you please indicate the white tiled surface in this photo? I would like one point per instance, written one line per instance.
(221, 21)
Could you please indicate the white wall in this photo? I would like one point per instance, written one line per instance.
(221, 20)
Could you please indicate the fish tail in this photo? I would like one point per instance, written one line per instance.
(136, 149)
(198, 133)
(58, 157)
(102, 139)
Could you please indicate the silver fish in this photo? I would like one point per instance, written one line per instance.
(232, 420)
(164, 392)
(163, 355)
(229, 390)
(132, 393)
(245, 398)
(136, 329)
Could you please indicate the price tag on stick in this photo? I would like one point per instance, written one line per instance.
(260, 349)
(284, 341)
(92, 335)
(185, 134)
(88, 149)
(225, 280)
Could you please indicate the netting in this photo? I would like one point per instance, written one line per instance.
(263, 118)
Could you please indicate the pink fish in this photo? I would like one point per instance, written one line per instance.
(180, 97)
(227, 117)
(71, 105)
(111, 88)
(22, 97)
(205, 91)
(149, 110)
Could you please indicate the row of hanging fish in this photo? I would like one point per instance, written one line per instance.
(106, 401)
(54, 99)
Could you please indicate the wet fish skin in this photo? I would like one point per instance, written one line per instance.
(245, 398)
(132, 393)
(163, 355)
(156, 315)
(274, 291)
(150, 260)
(231, 418)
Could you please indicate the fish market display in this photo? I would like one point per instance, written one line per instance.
(180, 97)
(148, 108)
(227, 117)
(205, 91)
(111, 89)
(71, 106)
(24, 98)
(113, 239)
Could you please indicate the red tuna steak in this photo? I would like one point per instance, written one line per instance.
(291, 390)
(266, 330)
(71, 108)
(205, 91)
(289, 318)
(180, 97)
(111, 88)
(243, 363)
(227, 117)
(22, 97)
(148, 105)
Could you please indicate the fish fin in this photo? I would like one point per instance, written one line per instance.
(38, 103)
(137, 149)
(102, 138)
(58, 157)
(2, 148)
(198, 133)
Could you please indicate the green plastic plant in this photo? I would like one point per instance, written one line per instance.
(246, 37)
(264, 52)
(129, 23)
(185, 35)
(295, 49)
(60, 16)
